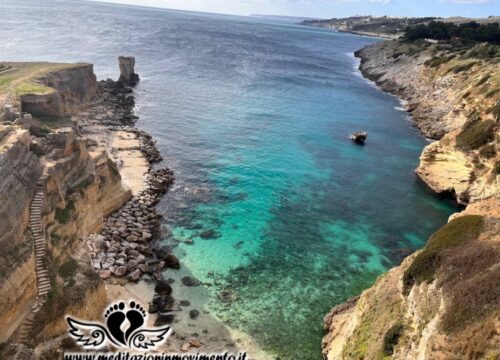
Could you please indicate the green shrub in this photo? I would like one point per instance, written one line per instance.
(438, 61)
(44, 129)
(63, 216)
(68, 269)
(391, 338)
(487, 151)
(475, 133)
(465, 67)
(425, 264)
(496, 168)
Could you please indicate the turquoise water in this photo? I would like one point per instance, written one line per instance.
(254, 119)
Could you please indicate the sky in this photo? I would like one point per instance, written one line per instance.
(330, 8)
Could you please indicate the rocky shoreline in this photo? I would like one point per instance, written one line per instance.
(128, 247)
(408, 312)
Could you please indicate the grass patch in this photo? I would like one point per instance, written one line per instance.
(391, 338)
(63, 216)
(456, 232)
(26, 88)
(475, 133)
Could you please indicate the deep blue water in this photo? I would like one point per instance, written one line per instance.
(254, 119)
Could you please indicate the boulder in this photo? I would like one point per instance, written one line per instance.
(105, 274)
(120, 271)
(163, 288)
(359, 137)
(132, 265)
(171, 261)
(164, 319)
(193, 314)
(135, 276)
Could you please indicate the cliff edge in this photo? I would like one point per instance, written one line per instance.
(442, 302)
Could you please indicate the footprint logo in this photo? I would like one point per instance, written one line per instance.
(124, 327)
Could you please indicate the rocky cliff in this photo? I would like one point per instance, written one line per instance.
(442, 302)
(70, 89)
(81, 184)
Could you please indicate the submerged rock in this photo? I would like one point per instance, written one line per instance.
(164, 319)
(190, 281)
(193, 314)
(163, 288)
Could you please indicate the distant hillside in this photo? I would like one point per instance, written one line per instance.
(290, 19)
(385, 26)
(369, 25)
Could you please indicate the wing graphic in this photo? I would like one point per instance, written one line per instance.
(149, 339)
(88, 334)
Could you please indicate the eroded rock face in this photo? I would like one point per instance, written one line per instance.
(71, 89)
(127, 70)
(443, 305)
(20, 169)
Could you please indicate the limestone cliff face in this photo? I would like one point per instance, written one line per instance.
(82, 185)
(72, 88)
(20, 171)
(456, 315)
(443, 301)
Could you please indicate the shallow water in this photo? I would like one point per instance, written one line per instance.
(254, 119)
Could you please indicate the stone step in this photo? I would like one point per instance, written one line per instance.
(43, 288)
(43, 285)
(43, 292)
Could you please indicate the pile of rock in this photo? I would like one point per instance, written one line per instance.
(9, 115)
(148, 147)
(163, 303)
(120, 97)
(126, 245)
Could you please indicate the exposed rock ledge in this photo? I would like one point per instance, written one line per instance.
(442, 302)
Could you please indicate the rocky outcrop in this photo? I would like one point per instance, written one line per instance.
(127, 70)
(441, 302)
(69, 90)
(359, 137)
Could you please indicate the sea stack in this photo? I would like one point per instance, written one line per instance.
(359, 137)
(127, 73)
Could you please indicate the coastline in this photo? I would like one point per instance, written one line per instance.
(346, 323)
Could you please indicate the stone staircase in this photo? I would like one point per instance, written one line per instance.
(42, 273)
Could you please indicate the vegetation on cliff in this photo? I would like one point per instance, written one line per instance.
(438, 30)
(456, 232)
